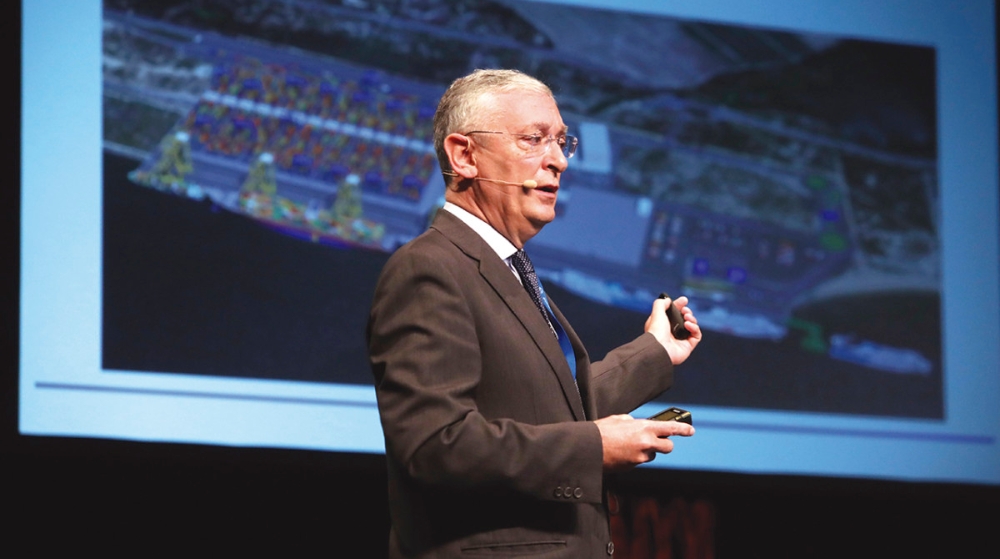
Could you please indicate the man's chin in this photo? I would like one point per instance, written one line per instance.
(543, 219)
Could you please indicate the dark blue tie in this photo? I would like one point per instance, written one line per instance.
(531, 284)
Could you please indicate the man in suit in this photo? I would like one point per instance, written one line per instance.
(498, 428)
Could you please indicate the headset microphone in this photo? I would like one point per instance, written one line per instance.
(526, 184)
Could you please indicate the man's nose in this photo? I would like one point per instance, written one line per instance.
(555, 159)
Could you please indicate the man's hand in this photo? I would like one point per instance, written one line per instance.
(629, 442)
(659, 326)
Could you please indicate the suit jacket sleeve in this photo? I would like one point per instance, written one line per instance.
(627, 377)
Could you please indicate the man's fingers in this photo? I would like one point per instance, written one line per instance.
(663, 445)
(628, 441)
(671, 428)
(688, 315)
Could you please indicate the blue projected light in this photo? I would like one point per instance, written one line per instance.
(736, 275)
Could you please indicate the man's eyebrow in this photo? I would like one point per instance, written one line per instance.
(545, 126)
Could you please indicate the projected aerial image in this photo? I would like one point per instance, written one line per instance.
(263, 158)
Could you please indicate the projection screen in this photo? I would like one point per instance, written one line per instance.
(209, 190)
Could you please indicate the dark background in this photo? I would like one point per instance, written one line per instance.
(117, 498)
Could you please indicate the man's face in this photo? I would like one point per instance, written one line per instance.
(516, 212)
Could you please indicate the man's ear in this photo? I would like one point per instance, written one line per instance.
(459, 151)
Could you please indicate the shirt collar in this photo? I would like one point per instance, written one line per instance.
(497, 242)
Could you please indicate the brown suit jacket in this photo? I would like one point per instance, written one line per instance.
(489, 442)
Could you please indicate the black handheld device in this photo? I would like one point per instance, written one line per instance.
(674, 414)
(676, 320)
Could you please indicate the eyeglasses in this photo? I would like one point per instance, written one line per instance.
(536, 143)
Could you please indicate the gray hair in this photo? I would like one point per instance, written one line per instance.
(462, 105)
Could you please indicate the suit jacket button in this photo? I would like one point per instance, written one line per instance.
(611, 548)
(559, 491)
(578, 492)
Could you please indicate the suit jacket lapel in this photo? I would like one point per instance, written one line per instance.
(582, 363)
(499, 276)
